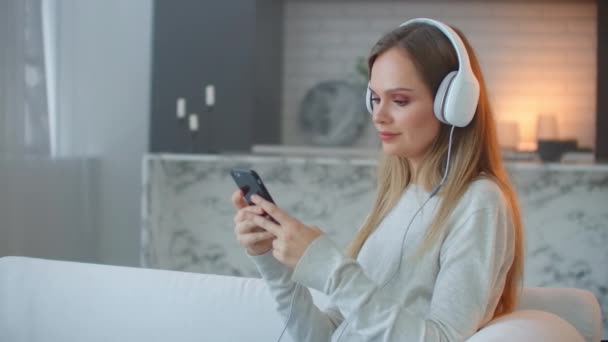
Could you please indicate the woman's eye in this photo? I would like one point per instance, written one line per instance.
(375, 99)
(401, 102)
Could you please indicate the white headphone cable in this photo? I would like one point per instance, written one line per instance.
(435, 190)
(433, 193)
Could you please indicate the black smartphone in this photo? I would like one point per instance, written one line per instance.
(250, 183)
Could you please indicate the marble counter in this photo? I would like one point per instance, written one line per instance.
(187, 215)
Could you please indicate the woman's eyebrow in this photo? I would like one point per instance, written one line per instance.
(392, 90)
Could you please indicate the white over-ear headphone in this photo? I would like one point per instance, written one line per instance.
(458, 94)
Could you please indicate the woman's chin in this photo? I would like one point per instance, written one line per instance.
(390, 150)
(394, 150)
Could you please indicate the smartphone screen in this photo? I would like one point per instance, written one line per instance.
(250, 183)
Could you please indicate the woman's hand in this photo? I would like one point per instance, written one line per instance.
(256, 240)
(292, 236)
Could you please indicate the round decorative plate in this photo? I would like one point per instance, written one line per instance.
(332, 113)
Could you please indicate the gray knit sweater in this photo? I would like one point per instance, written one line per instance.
(446, 295)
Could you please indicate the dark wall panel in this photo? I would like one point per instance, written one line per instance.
(230, 44)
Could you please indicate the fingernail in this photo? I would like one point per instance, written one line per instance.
(254, 197)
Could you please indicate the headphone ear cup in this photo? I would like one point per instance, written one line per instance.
(368, 100)
(442, 96)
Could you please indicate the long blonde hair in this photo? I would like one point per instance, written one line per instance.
(475, 150)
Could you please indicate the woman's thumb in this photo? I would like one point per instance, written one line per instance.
(238, 200)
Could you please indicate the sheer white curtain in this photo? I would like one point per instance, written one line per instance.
(70, 182)
(24, 114)
(47, 202)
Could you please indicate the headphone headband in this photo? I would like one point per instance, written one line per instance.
(461, 50)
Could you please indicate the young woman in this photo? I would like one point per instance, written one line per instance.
(440, 254)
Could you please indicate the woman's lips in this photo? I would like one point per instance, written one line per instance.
(386, 136)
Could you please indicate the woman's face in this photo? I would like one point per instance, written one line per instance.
(403, 106)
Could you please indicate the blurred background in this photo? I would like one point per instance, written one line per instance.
(120, 119)
(90, 88)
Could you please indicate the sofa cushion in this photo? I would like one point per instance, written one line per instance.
(577, 306)
(528, 325)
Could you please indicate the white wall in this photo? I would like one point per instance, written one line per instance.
(103, 108)
(537, 56)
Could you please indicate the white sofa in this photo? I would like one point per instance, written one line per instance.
(45, 300)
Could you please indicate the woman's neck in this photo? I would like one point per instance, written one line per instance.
(414, 167)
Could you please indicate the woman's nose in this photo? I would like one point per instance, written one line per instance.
(380, 114)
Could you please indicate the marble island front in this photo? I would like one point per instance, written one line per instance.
(187, 214)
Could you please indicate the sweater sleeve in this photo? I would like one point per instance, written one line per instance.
(308, 323)
(473, 262)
